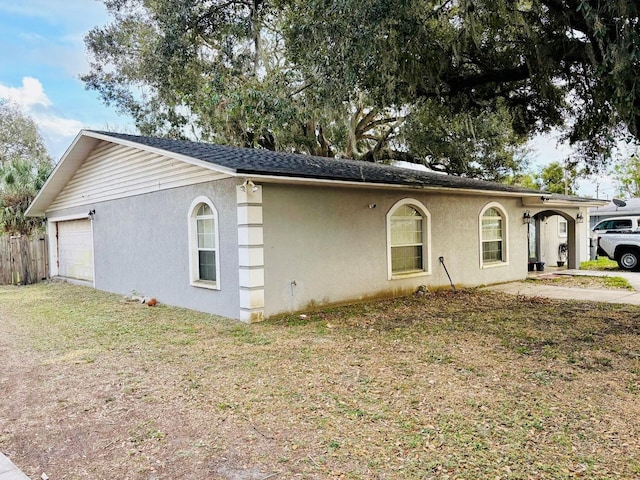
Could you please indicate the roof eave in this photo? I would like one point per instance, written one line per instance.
(61, 174)
(164, 153)
(281, 179)
(548, 201)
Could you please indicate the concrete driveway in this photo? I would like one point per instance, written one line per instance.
(529, 289)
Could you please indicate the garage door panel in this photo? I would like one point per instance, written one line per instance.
(75, 249)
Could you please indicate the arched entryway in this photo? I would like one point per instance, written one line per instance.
(553, 239)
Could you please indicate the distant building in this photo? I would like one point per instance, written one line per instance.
(614, 209)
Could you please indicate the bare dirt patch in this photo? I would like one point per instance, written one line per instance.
(451, 385)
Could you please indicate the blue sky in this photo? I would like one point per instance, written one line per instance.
(43, 55)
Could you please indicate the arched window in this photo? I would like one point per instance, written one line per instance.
(408, 239)
(203, 241)
(493, 235)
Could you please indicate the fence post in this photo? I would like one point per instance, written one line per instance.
(23, 260)
(5, 260)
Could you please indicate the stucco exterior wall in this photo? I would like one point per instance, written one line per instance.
(326, 245)
(141, 244)
(550, 239)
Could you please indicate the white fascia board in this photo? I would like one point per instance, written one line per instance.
(61, 174)
(542, 201)
(381, 186)
(164, 153)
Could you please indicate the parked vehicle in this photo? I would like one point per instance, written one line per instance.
(614, 225)
(624, 248)
(618, 224)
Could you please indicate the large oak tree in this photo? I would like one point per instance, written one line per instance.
(455, 84)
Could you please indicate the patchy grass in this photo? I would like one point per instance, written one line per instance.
(602, 263)
(582, 281)
(462, 385)
(617, 282)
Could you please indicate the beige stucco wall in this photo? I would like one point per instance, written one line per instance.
(551, 238)
(324, 245)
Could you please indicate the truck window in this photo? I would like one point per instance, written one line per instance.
(622, 224)
(604, 225)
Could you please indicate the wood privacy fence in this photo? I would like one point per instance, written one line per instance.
(23, 260)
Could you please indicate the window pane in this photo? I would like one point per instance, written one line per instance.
(492, 229)
(563, 227)
(206, 237)
(406, 240)
(492, 236)
(207, 265)
(406, 231)
(406, 259)
(406, 211)
(204, 210)
(492, 251)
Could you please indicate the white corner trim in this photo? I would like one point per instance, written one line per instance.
(251, 272)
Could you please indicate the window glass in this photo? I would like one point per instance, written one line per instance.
(619, 224)
(204, 257)
(492, 236)
(207, 265)
(407, 242)
(562, 228)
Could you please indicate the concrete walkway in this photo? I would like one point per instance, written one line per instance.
(8, 471)
(530, 289)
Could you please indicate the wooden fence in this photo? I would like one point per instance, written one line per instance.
(23, 260)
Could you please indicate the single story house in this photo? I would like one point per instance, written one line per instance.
(251, 234)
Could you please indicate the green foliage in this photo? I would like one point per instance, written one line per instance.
(456, 85)
(558, 178)
(627, 174)
(24, 167)
(482, 145)
(570, 63)
(245, 74)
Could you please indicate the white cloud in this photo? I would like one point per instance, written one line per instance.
(32, 99)
(57, 126)
(28, 95)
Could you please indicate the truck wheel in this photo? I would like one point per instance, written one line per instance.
(629, 260)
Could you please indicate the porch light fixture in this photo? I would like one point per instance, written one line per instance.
(91, 213)
(526, 218)
(579, 218)
(248, 183)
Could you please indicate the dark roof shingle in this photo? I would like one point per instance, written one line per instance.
(246, 161)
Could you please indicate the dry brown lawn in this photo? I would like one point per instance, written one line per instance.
(469, 385)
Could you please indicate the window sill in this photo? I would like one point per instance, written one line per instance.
(205, 284)
(417, 273)
(494, 264)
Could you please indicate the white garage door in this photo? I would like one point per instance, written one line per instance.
(75, 249)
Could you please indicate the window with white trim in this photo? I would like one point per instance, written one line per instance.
(408, 239)
(203, 241)
(562, 228)
(493, 235)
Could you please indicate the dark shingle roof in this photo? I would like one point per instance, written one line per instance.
(246, 161)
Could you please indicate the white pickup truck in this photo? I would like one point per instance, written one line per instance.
(624, 248)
